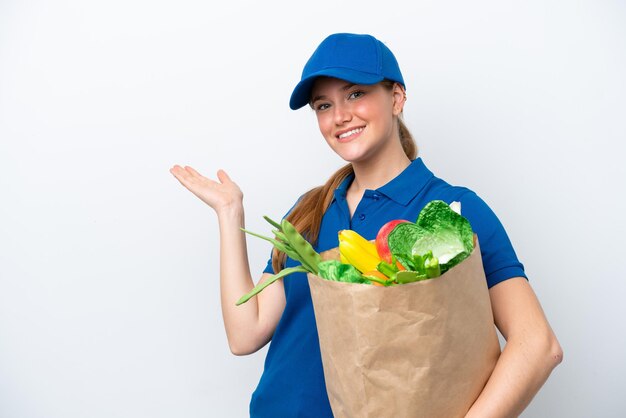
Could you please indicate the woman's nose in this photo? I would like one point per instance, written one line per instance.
(342, 114)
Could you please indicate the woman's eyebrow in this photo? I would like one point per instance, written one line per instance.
(316, 98)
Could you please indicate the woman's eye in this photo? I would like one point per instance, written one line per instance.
(322, 106)
(355, 94)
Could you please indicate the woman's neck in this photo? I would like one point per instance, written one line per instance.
(372, 175)
(375, 173)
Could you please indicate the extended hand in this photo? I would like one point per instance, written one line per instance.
(220, 195)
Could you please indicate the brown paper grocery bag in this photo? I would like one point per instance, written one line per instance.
(424, 349)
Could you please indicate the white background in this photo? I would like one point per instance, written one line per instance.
(109, 302)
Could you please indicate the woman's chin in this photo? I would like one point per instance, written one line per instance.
(355, 158)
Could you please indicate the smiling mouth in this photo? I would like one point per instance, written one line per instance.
(350, 133)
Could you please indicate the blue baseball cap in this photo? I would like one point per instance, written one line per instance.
(359, 59)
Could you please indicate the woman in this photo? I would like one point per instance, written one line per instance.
(354, 84)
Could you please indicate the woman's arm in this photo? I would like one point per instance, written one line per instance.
(529, 356)
(251, 325)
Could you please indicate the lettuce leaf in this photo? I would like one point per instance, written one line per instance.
(337, 271)
(439, 232)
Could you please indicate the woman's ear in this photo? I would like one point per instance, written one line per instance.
(399, 98)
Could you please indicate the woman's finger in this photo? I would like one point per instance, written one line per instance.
(184, 176)
(178, 172)
(223, 177)
(193, 172)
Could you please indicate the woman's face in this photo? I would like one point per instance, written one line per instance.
(357, 121)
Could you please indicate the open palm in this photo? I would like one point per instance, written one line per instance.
(220, 195)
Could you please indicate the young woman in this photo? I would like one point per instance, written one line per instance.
(355, 87)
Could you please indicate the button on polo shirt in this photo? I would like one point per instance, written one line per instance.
(292, 384)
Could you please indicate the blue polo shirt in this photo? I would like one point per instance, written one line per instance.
(292, 384)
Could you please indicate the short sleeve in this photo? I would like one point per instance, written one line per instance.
(268, 268)
(499, 259)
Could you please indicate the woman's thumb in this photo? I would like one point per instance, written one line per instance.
(222, 176)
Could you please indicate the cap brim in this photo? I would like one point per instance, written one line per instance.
(302, 93)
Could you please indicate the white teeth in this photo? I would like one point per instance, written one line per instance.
(352, 132)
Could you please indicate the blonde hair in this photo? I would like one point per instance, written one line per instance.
(306, 216)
